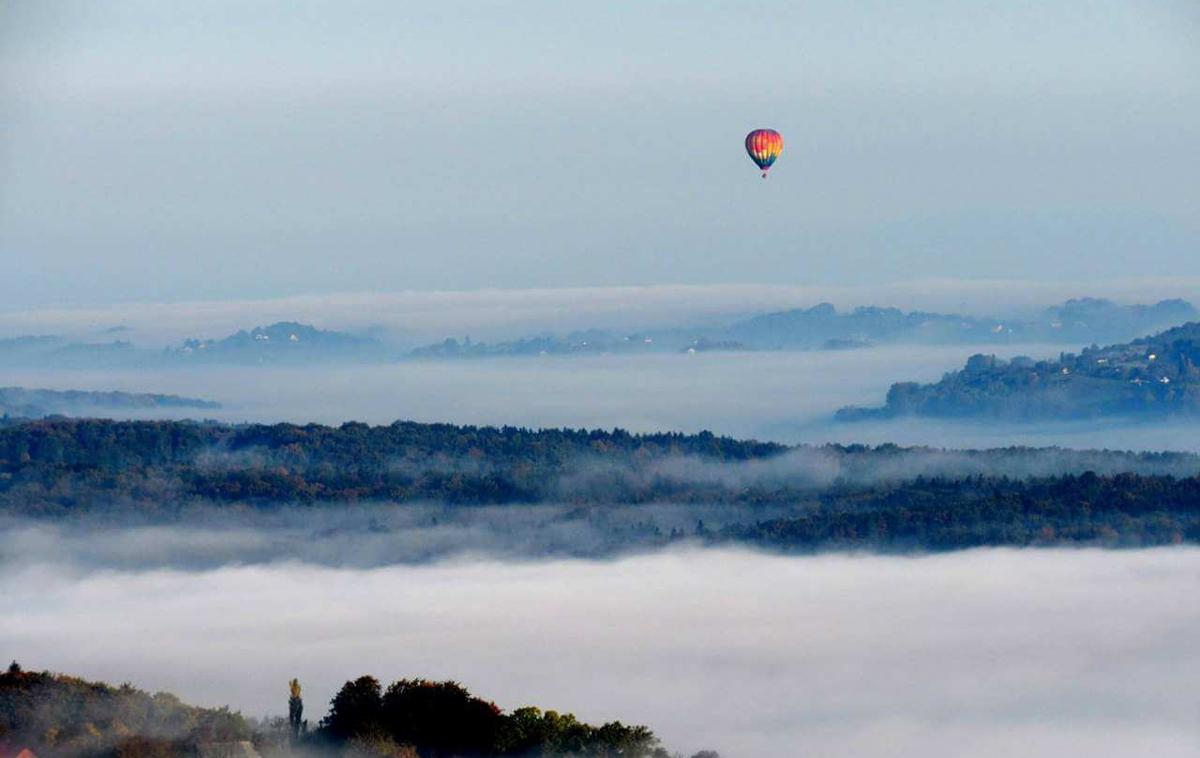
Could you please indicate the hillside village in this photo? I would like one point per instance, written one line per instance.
(1151, 376)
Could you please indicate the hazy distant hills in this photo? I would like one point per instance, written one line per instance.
(590, 341)
(824, 327)
(821, 327)
(281, 342)
(1084, 319)
(58, 352)
(1152, 376)
(35, 403)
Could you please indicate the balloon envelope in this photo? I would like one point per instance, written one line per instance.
(763, 147)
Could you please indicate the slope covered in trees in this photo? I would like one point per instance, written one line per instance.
(1150, 377)
(1125, 510)
(68, 717)
(60, 715)
(416, 717)
(66, 464)
(836, 496)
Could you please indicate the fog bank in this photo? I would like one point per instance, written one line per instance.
(782, 396)
(1037, 653)
(735, 393)
(354, 536)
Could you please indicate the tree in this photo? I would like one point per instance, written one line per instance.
(356, 710)
(295, 708)
(440, 718)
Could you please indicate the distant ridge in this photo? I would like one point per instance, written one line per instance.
(1082, 319)
(820, 327)
(281, 341)
(1149, 377)
(824, 327)
(37, 403)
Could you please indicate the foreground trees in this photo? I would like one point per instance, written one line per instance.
(67, 717)
(417, 717)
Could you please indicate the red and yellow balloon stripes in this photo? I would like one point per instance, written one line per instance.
(764, 146)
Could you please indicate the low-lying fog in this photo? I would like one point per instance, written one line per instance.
(784, 396)
(987, 652)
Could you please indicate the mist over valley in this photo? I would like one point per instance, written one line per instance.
(599, 380)
(1030, 651)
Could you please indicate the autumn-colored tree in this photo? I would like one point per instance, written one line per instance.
(295, 708)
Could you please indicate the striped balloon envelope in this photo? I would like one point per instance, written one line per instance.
(764, 146)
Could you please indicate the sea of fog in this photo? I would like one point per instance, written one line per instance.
(784, 396)
(985, 652)
(1037, 653)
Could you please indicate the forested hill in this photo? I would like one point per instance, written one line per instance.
(791, 498)
(1153, 376)
(79, 463)
(68, 717)
(58, 715)
(353, 448)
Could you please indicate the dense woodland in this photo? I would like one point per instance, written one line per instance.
(59, 465)
(65, 716)
(62, 468)
(59, 715)
(1123, 510)
(416, 717)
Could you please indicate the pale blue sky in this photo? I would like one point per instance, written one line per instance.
(162, 151)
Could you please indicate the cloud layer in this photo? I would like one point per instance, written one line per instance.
(784, 396)
(1041, 653)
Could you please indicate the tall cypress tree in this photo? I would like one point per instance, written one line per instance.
(295, 708)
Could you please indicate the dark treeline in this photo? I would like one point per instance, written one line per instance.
(416, 717)
(1125, 510)
(63, 464)
(58, 715)
(837, 496)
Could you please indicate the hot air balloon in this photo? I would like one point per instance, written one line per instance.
(764, 146)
